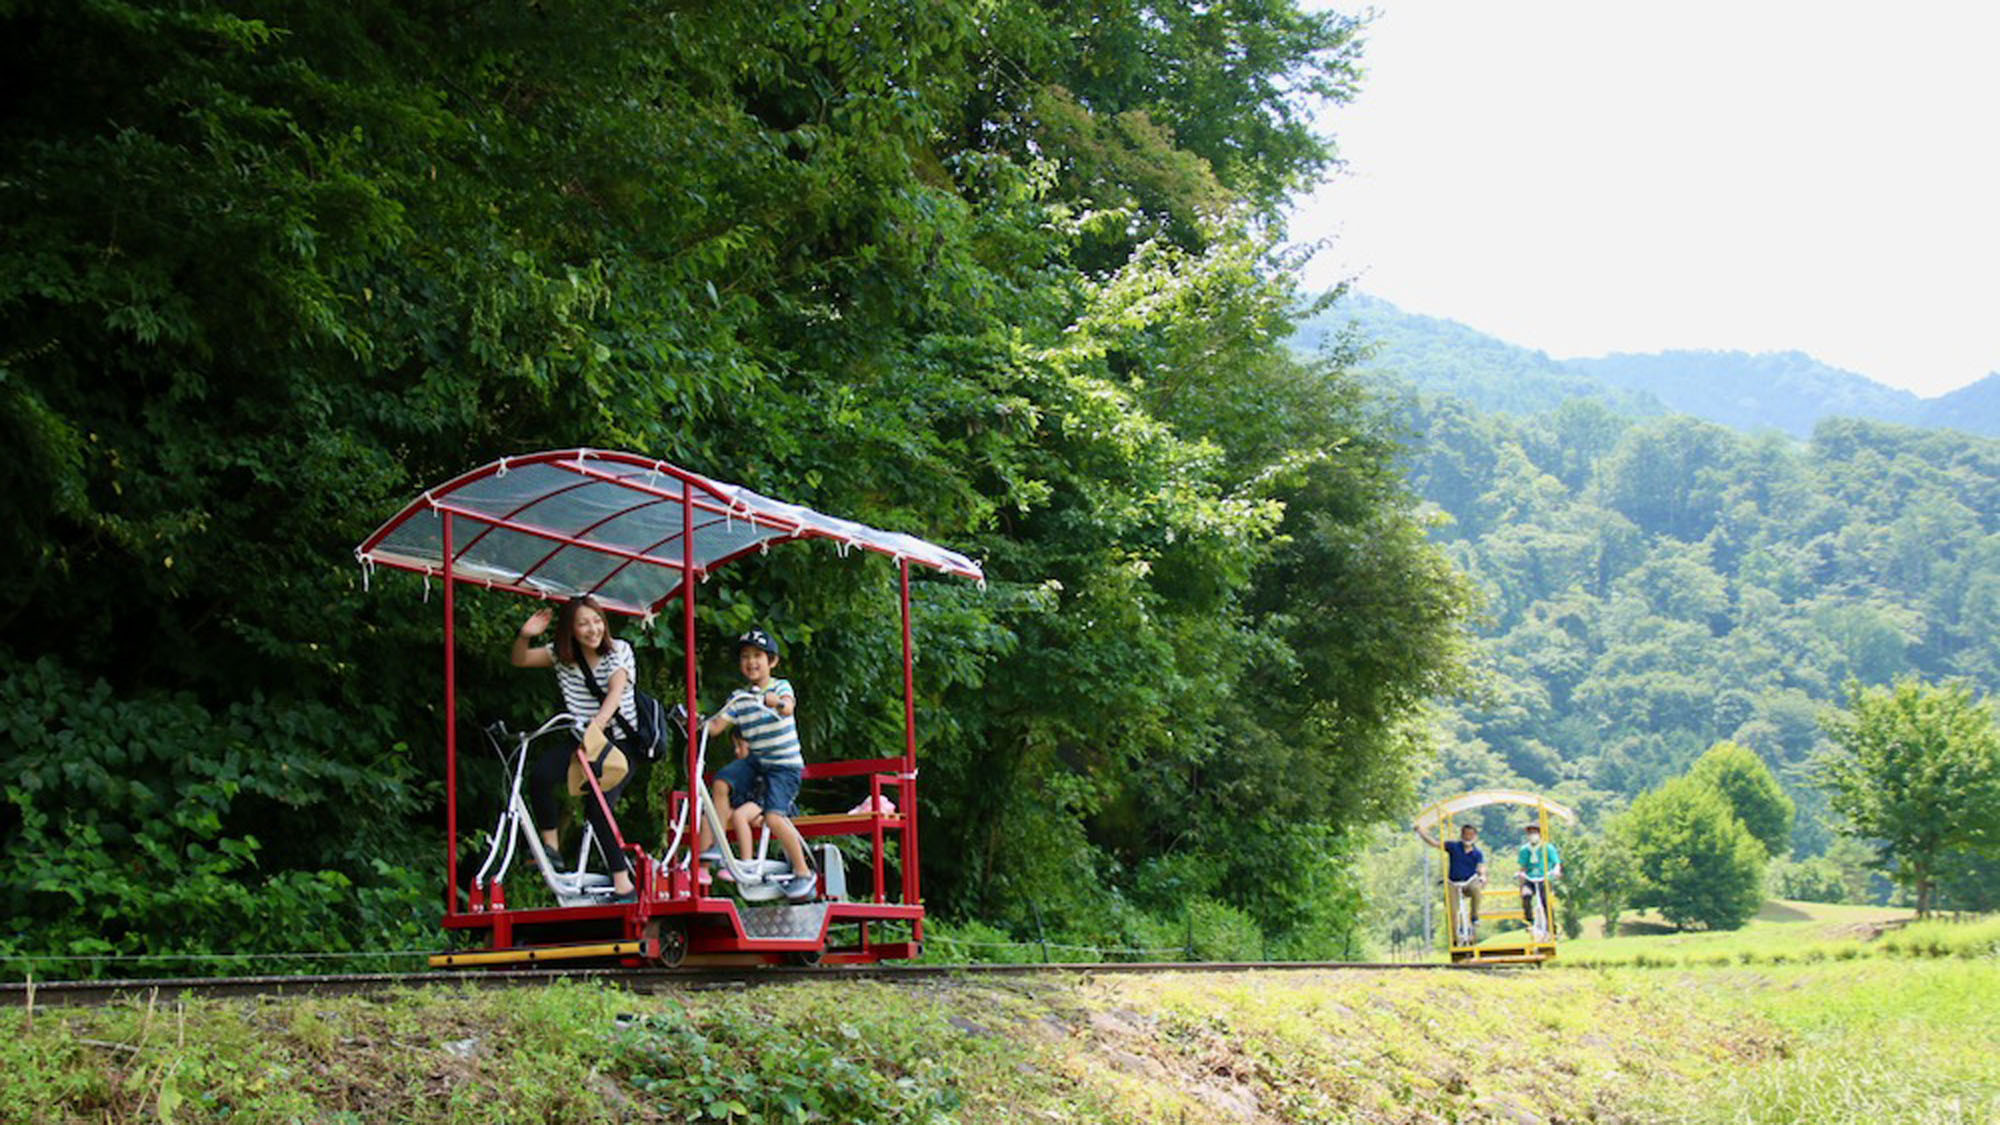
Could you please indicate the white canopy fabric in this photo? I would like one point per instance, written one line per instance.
(611, 525)
(1466, 802)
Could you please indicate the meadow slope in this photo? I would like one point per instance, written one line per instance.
(1871, 1039)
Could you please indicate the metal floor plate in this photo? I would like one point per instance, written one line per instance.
(785, 922)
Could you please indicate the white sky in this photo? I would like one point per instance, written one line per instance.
(1589, 176)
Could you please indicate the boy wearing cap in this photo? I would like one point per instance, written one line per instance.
(1539, 863)
(761, 787)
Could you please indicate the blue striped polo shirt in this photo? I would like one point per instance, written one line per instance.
(773, 738)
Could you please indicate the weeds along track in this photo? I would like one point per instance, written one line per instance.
(74, 993)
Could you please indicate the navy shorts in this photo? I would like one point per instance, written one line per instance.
(774, 789)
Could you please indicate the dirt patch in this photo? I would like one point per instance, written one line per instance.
(1630, 927)
(1861, 931)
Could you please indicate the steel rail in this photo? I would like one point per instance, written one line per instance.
(90, 993)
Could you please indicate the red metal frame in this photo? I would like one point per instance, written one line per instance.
(576, 461)
(450, 732)
(712, 923)
(909, 786)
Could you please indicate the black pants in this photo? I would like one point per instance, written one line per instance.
(547, 777)
(1532, 891)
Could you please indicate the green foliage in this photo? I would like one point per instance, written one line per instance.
(1432, 355)
(1782, 930)
(1685, 854)
(718, 1068)
(1883, 1039)
(1745, 782)
(120, 845)
(1976, 938)
(1856, 1044)
(1916, 767)
(1597, 879)
(1656, 586)
(1013, 278)
(1818, 879)
(1969, 880)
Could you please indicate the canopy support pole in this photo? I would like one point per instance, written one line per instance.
(693, 831)
(450, 733)
(909, 786)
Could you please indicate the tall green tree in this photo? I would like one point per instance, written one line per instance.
(1686, 855)
(1004, 275)
(1916, 767)
(1753, 794)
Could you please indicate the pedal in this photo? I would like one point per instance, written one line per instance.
(767, 870)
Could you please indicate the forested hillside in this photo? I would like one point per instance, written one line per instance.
(1657, 585)
(1437, 356)
(1003, 275)
(1786, 391)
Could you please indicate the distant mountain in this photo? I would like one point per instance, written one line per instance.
(1788, 391)
(1971, 408)
(1438, 356)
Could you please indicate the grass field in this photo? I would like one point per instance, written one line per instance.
(1877, 1040)
(1869, 1041)
(1782, 931)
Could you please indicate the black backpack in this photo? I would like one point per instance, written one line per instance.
(647, 742)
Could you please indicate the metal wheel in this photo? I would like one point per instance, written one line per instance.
(805, 957)
(670, 940)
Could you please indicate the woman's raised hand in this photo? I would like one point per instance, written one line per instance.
(537, 623)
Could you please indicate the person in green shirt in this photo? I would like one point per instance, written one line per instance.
(1539, 863)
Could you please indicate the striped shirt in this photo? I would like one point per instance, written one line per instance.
(582, 704)
(773, 738)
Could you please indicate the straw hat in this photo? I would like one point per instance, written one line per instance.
(611, 767)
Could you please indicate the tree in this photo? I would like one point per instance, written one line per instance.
(1969, 881)
(1687, 856)
(1666, 475)
(1010, 275)
(1745, 782)
(1596, 880)
(1917, 768)
(1818, 879)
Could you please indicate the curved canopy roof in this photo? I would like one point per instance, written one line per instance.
(611, 525)
(1480, 798)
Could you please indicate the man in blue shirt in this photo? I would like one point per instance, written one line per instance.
(1465, 875)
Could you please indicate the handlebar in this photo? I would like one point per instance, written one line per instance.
(498, 728)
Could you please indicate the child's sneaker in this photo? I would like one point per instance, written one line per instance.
(802, 888)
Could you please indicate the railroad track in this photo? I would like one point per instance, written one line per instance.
(86, 993)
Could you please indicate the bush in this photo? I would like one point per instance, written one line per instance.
(957, 943)
(1224, 933)
(131, 833)
(1745, 782)
(807, 1069)
(1938, 938)
(1690, 857)
(1814, 880)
